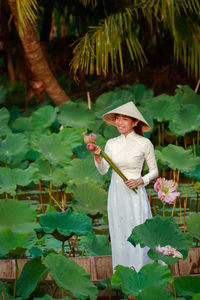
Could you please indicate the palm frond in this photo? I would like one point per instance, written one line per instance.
(101, 48)
(187, 43)
(26, 12)
(89, 2)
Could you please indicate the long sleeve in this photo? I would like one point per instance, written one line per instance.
(103, 166)
(151, 163)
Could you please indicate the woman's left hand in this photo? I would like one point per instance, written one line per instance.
(133, 183)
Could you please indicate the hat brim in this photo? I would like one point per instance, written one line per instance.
(111, 117)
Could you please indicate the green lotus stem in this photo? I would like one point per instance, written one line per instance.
(159, 135)
(185, 205)
(173, 209)
(180, 207)
(41, 199)
(198, 138)
(163, 133)
(16, 276)
(73, 245)
(163, 209)
(82, 253)
(113, 165)
(52, 197)
(197, 205)
(195, 153)
(63, 248)
(185, 142)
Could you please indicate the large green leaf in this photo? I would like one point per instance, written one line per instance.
(177, 158)
(14, 148)
(110, 100)
(10, 178)
(74, 136)
(186, 119)
(17, 216)
(4, 118)
(96, 245)
(90, 198)
(133, 283)
(58, 177)
(2, 93)
(40, 120)
(32, 274)
(43, 117)
(84, 170)
(70, 276)
(75, 115)
(196, 297)
(155, 293)
(187, 285)
(15, 243)
(65, 224)
(193, 225)
(164, 107)
(161, 231)
(55, 149)
(140, 91)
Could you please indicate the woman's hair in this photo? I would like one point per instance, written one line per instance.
(138, 127)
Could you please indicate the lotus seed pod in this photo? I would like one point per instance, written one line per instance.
(91, 146)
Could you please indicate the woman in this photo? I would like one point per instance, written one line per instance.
(127, 209)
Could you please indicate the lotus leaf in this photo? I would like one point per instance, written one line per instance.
(73, 136)
(4, 118)
(90, 198)
(110, 132)
(47, 297)
(15, 243)
(14, 148)
(193, 225)
(140, 91)
(110, 100)
(32, 274)
(70, 276)
(196, 297)
(75, 115)
(3, 292)
(164, 107)
(177, 158)
(63, 225)
(10, 178)
(56, 150)
(155, 293)
(134, 283)
(84, 170)
(185, 95)
(23, 124)
(43, 117)
(17, 216)
(187, 119)
(161, 231)
(96, 245)
(195, 174)
(187, 285)
(58, 176)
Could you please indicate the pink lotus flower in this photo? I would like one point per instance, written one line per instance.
(91, 146)
(93, 138)
(168, 250)
(167, 190)
(86, 139)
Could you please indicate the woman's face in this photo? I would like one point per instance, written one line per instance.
(125, 124)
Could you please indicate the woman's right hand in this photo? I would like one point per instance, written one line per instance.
(97, 154)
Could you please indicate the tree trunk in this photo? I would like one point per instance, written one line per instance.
(37, 60)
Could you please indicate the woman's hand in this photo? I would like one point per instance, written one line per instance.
(134, 183)
(97, 154)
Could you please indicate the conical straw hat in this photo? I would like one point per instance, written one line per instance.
(129, 109)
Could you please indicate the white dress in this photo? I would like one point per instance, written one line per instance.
(126, 209)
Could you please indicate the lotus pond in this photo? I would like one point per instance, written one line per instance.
(47, 176)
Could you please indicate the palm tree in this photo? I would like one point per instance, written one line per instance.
(24, 18)
(101, 47)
